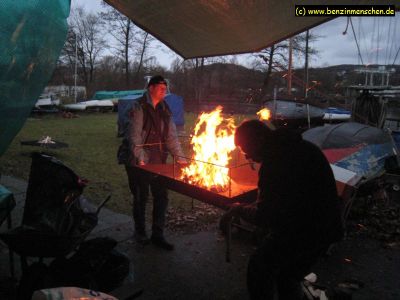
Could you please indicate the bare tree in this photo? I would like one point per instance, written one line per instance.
(276, 56)
(89, 41)
(67, 56)
(108, 73)
(121, 29)
(143, 40)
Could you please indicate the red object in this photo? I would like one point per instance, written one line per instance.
(334, 155)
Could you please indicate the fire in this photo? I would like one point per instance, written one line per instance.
(213, 142)
(264, 114)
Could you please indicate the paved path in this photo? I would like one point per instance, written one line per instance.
(197, 268)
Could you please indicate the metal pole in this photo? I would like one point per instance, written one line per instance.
(275, 103)
(289, 87)
(228, 241)
(173, 166)
(230, 178)
(76, 62)
(306, 67)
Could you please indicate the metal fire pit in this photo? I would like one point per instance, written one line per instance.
(242, 186)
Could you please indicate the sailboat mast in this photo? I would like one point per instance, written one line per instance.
(76, 63)
(306, 67)
(289, 87)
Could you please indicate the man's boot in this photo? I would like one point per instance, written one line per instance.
(161, 242)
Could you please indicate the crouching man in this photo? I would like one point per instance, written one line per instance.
(297, 205)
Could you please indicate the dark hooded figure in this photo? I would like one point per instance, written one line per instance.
(297, 205)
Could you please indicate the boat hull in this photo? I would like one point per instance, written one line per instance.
(293, 114)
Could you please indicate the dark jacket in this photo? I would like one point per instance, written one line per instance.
(297, 192)
(148, 125)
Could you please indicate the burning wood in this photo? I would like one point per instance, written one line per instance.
(211, 176)
(213, 142)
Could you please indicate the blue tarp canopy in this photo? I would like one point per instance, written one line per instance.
(174, 102)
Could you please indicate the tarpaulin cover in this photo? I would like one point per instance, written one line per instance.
(100, 95)
(174, 102)
(289, 110)
(32, 34)
(337, 110)
(194, 28)
(353, 146)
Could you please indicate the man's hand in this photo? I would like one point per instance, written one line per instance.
(141, 163)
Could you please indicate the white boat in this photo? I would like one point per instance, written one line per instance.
(96, 105)
(336, 115)
(100, 105)
(329, 117)
(47, 101)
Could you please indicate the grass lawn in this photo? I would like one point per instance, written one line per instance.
(93, 144)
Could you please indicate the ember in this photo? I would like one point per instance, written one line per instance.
(264, 114)
(213, 142)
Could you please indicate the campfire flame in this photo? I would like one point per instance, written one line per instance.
(264, 114)
(213, 142)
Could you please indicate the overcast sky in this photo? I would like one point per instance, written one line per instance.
(378, 39)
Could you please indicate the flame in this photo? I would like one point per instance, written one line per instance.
(213, 142)
(264, 114)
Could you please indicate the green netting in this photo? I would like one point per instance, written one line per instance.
(32, 34)
(100, 95)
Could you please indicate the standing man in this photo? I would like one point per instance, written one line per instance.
(297, 205)
(150, 134)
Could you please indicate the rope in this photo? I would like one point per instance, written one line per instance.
(370, 110)
(393, 40)
(347, 26)
(363, 36)
(377, 42)
(394, 60)
(388, 52)
(355, 38)
(372, 41)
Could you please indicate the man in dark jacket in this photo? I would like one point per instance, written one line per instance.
(297, 205)
(150, 134)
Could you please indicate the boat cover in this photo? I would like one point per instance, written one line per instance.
(100, 95)
(353, 146)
